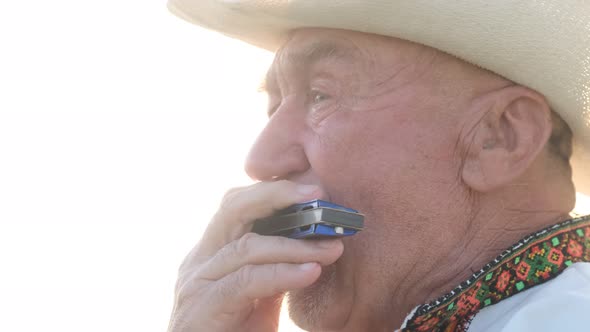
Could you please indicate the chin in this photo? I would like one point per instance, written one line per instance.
(317, 307)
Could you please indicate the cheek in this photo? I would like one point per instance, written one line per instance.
(373, 159)
(356, 149)
(393, 168)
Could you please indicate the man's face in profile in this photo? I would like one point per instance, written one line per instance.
(376, 122)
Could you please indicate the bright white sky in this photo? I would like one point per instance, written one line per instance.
(121, 127)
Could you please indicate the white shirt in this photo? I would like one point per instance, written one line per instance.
(561, 304)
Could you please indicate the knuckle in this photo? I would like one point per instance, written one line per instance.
(187, 288)
(244, 245)
(182, 292)
(183, 275)
(192, 289)
(191, 259)
(190, 280)
(233, 191)
(229, 198)
(186, 263)
(232, 204)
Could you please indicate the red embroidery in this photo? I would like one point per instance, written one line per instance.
(555, 256)
(503, 281)
(574, 248)
(530, 262)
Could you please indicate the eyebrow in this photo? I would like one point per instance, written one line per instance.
(310, 55)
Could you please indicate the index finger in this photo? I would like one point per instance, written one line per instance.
(240, 208)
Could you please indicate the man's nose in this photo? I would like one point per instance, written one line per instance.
(278, 151)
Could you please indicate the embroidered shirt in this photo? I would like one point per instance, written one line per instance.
(560, 304)
(535, 259)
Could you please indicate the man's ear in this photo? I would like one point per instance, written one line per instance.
(509, 129)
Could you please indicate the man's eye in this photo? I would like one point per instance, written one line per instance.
(318, 96)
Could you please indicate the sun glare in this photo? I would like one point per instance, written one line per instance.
(121, 127)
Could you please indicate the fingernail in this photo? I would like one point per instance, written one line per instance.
(307, 266)
(306, 189)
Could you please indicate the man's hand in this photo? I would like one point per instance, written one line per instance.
(234, 280)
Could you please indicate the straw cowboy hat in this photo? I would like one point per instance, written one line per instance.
(542, 44)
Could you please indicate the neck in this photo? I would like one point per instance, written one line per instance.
(479, 247)
(489, 232)
(462, 241)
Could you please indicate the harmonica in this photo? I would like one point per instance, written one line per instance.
(313, 219)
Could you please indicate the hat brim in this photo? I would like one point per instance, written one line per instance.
(543, 45)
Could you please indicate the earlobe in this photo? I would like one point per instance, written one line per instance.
(513, 125)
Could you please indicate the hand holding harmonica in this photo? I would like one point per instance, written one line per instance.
(233, 280)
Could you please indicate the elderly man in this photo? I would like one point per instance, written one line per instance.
(446, 124)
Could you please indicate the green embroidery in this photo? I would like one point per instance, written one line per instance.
(530, 262)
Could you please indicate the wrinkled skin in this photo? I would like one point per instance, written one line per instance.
(446, 161)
